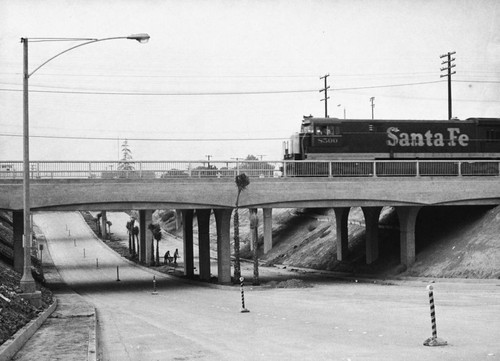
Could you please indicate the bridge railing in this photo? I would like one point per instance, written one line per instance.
(260, 169)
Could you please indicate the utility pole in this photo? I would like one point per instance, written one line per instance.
(449, 73)
(372, 99)
(339, 105)
(325, 99)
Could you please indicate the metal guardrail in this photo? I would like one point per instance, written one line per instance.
(260, 169)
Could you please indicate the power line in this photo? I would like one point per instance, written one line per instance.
(219, 93)
(147, 139)
(163, 94)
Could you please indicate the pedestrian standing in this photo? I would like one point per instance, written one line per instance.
(176, 255)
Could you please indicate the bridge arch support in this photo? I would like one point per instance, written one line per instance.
(407, 221)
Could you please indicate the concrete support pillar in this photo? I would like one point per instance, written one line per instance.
(145, 236)
(203, 217)
(341, 218)
(372, 215)
(178, 219)
(407, 221)
(252, 212)
(268, 229)
(104, 227)
(187, 235)
(18, 230)
(223, 221)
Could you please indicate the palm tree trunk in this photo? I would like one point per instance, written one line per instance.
(242, 182)
(255, 238)
(133, 244)
(237, 269)
(152, 253)
(254, 231)
(157, 253)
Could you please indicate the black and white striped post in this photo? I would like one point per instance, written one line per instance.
(434, 340)
(243, 309)
(154, 286)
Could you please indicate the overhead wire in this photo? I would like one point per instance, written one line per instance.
(147, 139)
(219, 93)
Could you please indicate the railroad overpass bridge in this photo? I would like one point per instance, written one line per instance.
(199, 190)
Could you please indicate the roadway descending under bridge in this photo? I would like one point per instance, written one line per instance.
(334, 320)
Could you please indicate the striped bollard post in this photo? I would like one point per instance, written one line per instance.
(154, 286)
(243, 309)
(434, 340)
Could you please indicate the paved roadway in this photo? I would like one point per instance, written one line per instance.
(334, 320)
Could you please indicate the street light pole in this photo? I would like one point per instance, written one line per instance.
(27, 282)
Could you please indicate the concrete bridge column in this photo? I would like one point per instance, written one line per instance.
(178, 219)
(372, 215)
(187, 235)
(252, 212)
(203, 217)
(341, 218)
(223, 221)
(145, 237)
(268, 229)
(407, 221)
(18, 230)
(104, 226)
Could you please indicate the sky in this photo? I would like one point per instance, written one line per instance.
(225, 79)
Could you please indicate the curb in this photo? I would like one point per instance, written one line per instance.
(17, 341)
(92, 347)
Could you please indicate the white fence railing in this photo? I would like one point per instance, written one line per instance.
(260, 169)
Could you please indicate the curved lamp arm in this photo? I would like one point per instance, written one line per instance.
(141, 38)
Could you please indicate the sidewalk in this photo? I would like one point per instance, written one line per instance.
(70, 332)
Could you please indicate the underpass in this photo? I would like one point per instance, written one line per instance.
(335, 320)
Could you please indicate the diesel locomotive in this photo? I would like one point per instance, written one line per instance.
(340, 139)
(339, 147)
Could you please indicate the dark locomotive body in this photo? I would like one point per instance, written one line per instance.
(362, 139)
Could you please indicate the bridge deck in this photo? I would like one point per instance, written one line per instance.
(117, 194)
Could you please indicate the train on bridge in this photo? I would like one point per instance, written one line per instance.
(332, 139)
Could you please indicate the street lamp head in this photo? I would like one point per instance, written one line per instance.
(141, 38)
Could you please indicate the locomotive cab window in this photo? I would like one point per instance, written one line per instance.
(327, 130)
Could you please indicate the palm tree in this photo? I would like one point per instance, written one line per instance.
(242, 182)
(130, 230)
(156, 230)
(135, 237)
